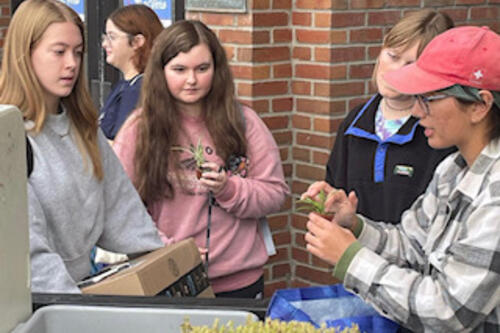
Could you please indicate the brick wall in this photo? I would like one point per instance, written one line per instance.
(302, 65)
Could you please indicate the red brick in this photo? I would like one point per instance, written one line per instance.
(301, 53)
(281, 238)
(281, 270)
(5, 11)
(369, 35)
(384, 18)
(244, 54)
(315, 275)
(319, 106)
(276, 122)
(244, 20)
(299, 239)
(323, 20)
(363, 71)
(484, 13)
(270, 88)
(271, 53)
(299, 221)
(244, 89)
(270, 19)
(469, 2)
(282, 4)
(403, 3)
(301, 122)
(229, 52)
(281, 255)
(284, 138)
(373, 52)
(339, 54)
(314, 4)
(287, 170)
(456, 14)
(251, 72)
(303, 19)
(362, 4)
(282, 35)
(278, 222)
(339, 89)
(260, 4)
(327, 125)
(437, 3)
(211, 19)
(301, 87)
(282, 70)
(300, 255)
(260, 106)
(320, 72)
(312, 36)
(320, 157)
(271, 287)
(313, 140)
(319, 263)
(301, 154)
(282, 104)
(284, 154)
(235, 36)
(347, 19)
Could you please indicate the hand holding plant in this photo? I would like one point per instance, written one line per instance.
(316, 205)
(198, 155)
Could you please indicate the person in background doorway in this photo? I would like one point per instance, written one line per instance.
(130, 33)
(206, 166)
(78, 193)
(379, 147)
(439, 269)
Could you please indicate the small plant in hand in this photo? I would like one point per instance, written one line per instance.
(268, 326)
(317, 206)
(198, 155)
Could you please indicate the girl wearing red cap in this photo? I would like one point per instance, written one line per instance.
(439, 270)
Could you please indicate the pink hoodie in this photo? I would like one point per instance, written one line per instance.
(237, 252)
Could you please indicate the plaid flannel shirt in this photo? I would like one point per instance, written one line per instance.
(439, 270)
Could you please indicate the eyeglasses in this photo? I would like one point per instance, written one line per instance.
(110, 38)
(424, 101)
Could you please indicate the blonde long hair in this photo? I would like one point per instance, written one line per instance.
(20, 86)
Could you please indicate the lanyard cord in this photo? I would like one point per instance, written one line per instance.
(211, 201)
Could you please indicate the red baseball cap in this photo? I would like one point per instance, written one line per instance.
(468, 55)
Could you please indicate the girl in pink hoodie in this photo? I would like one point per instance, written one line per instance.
(189, 122)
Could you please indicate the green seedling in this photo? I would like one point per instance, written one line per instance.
(198, 155)
(308, 205)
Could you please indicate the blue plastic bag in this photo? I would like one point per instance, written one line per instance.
(332, 305)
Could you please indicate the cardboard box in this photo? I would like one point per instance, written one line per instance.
(175, 270)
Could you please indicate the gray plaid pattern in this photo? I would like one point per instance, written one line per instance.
(439, 270)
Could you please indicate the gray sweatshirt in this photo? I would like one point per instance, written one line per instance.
(70, 211)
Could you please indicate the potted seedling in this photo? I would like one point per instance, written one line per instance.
(198, 155)
(317, 206)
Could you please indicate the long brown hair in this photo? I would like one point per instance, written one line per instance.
(135, 20)
(159, 123)
(19, 84)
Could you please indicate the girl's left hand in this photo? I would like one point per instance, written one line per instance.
(215, 179)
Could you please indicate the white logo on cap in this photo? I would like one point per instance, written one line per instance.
(478, 74)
